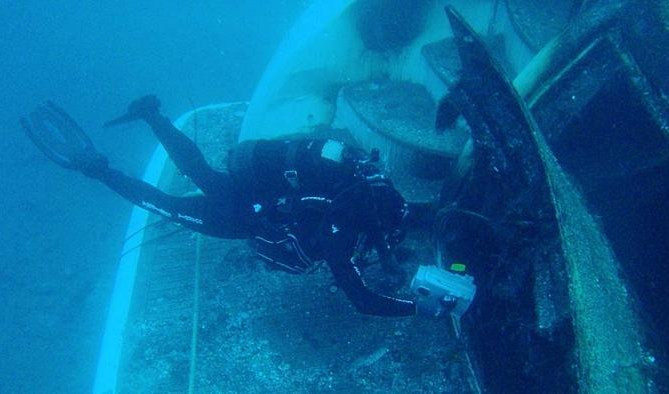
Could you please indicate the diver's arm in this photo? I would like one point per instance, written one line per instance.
(339, 234)
(348, 277)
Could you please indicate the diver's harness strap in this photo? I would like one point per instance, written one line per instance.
(279, 242)
(242, 170)
(285, 254)
(290, 173)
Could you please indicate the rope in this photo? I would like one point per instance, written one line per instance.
(196, 285)
(473, 378)
(196, 310)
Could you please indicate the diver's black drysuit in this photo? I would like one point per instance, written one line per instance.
(300, 199)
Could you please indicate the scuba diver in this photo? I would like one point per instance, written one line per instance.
(303, 201)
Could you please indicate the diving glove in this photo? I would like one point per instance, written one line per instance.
(62, 140)
(145, 108)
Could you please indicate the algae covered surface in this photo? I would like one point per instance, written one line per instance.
(263, 331)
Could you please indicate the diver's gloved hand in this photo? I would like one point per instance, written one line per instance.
(145, 108)
(61, 139)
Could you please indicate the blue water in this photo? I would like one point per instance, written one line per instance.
(60, 234)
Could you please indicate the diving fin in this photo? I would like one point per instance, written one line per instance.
(59, 137)
(141, 108)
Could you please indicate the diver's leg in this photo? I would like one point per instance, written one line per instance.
(61, 139)
(219, 217)
(185, 154)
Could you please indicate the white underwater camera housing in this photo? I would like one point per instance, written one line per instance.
(439, 291)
